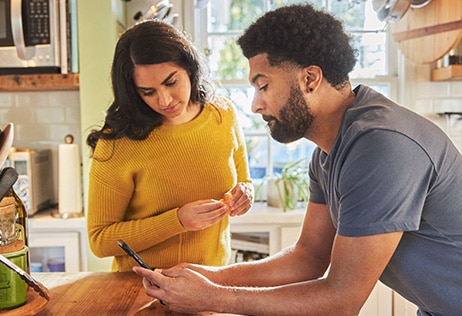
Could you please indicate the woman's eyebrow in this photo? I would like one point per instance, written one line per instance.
(163, 82)
(169, 76)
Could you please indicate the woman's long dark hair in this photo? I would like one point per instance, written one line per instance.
(146, 43)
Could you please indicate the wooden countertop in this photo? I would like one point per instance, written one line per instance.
(98, 293)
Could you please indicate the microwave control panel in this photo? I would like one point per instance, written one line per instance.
(37, 23)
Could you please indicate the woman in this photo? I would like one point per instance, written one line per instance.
(165, 158)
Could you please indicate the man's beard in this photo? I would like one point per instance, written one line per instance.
(295, 118)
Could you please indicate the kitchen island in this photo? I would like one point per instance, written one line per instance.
(93, 293)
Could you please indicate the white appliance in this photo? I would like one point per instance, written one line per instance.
(35, 179)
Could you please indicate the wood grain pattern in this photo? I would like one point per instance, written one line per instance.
(433, 39)
(97, 293)
(452, 72)
(39, 82)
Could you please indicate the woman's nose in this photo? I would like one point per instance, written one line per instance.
(163, 98)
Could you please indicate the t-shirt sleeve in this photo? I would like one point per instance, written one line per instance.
(316, 179)
(382, 184)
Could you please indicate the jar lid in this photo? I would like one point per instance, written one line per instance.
(13, 246)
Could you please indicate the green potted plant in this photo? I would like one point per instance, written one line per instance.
(289, 187)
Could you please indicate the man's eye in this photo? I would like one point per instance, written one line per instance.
(263, 88)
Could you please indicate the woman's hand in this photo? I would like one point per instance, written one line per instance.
(242, 199)
(201, 214)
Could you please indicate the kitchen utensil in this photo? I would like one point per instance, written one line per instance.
(416, 4)
(37, 286)
(159, 11)
(6, 140)
(390, 10)
(8, 177)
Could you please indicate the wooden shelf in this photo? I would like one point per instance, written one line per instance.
(38, 82)
(452, 72)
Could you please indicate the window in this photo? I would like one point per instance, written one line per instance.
(220, 22)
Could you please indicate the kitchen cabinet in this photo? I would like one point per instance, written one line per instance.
(283, 230)
(53, 238)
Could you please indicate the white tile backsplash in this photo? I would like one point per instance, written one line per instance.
(433, 97)
(41, 120)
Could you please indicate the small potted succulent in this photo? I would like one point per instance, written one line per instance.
(289, 187)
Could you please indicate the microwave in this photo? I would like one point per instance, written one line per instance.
(35, 179)
(35, 36)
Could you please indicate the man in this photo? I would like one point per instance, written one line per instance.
(385, 183)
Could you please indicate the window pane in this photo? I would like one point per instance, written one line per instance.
(282, 154)
(384, 87)
(226, 59)
(280, 3)
(228, 63)
(372, 57)
(226, 19)
(233, 15)
(242, 96)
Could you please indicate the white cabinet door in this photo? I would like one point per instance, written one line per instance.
(379, 303)
(289, 235)
(402, 307)
(67, 246)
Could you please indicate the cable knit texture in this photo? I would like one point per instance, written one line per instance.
(136, 188)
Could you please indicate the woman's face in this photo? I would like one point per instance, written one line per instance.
(166, 89)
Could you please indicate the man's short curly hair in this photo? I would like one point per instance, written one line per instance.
(304, 36)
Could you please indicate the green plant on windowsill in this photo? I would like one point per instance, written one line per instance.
(288, 188)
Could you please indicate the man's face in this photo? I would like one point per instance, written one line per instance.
(279, 100)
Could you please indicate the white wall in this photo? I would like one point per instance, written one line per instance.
(431, 98)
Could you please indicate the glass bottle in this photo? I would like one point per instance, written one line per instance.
(21, 221)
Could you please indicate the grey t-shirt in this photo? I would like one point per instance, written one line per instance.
(392, 170)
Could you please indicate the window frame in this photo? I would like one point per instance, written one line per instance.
(198, 29)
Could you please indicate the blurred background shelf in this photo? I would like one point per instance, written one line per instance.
(39, 82)
(447, 73)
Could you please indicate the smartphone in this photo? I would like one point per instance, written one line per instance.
(133, 254)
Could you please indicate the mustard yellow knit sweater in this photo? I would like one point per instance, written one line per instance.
(136, 188)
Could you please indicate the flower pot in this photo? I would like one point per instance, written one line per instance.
(278, 197)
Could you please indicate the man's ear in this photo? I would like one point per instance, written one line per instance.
(312, 78)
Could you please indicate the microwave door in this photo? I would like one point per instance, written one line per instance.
(30, 39)
(17, 30)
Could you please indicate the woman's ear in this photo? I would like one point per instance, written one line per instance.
(313, 78)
